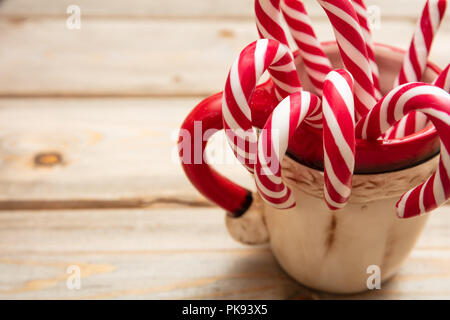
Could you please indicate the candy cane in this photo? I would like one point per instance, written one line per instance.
(272, 145)
(416, 121)
(317, 64)
(361, 11)
(242, 79)
(352, 47)
(268, 20)
(415, 60)
(269, 25)
(338, 137)
(443, 80)
(435, 104)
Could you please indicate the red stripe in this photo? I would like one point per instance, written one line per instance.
(246, 70)
(425, 26)
(411, 206)
(428, 196)
(271, 26)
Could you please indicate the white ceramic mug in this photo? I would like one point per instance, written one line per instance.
(323, 249)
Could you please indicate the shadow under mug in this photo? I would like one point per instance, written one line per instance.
(322, 249)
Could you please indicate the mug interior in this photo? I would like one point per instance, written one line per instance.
(389, 60)
(371, 156)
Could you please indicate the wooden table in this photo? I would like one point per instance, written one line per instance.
(88, 122)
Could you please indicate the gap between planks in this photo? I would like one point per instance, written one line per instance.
(81, 204)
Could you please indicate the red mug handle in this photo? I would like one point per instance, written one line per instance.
(217, 188)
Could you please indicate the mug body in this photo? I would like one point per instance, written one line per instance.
(332, 250)
(323, 249)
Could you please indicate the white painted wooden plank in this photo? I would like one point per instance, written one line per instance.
(172, 254)
(111, 149)
(242, 9)
(140, 58)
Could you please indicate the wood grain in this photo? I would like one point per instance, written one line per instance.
(176, 254)
(227, 9)
(114, 153)
(151, 58)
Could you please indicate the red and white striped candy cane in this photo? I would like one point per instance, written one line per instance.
(352, 47)
(269, 25)
(338, 137)
(415, 61)
(268, 20)
(416, 121)
(244, 74)
(361, 11)
(435, 104)
(317, 64)
(272, 145)
(443, 80)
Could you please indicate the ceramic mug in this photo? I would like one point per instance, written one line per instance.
(322, 249)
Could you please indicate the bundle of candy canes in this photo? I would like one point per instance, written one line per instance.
(346, 103)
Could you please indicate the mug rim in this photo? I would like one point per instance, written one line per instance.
(429, 130)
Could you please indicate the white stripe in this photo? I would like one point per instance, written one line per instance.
(341, 14)
(365, 125)
(421, 204)
(354, 54)
(314, 58)
(305, 106)
(285, 86)
(447, 79)
(331, 201)
(420, 121)
(287, 67)
(384, 125)
(417, 91)
(280, 127)
(388, 132)
(445, 159)
(438, 189)
(270, 10)
(242, 153)
(421, 52)
(340, 188)
(264, 32)
(304, 37)
(443, 116)
(435, 17)
(236, 88)
(314, 125)
(374, 66)
(408, 69)
(278, 94)
(367, 99)
(344, 90)
(281, 51)
(272, 194)
(260, 54)
(400, 133)
(315, 118)
(295, 14)
(262, 160)
(359, 9)
(229, 119)
(317, 75)
(289, 202)
(402, 203)
(337, 134)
